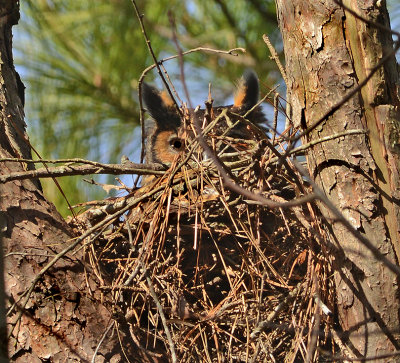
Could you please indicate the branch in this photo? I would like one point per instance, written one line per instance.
(89, 168)
(275, 57)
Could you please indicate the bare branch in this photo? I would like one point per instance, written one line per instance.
(90, 168)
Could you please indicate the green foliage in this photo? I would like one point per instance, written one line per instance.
(81, 60)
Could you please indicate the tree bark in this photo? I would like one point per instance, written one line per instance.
(61, 321)
(329, 52)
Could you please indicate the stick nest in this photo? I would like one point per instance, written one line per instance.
(195, 272)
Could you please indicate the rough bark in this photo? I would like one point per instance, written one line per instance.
(60, 322)
(328, 53)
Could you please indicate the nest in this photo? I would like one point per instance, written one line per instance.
(195, 271)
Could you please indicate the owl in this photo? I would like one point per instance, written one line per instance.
(170, 129)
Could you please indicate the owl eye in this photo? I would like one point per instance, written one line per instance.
(176, 143)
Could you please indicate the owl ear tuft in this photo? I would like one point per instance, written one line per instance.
(247, 91)
(160, 107)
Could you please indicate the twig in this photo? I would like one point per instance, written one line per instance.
(272, 90)
(232, 52)
(300, 149)
(180, 57)
(265, 324)
(275, 57)
(26, 140)
(98, 168)
(163, 319)
(101, 341)
(275, 122)
(52, 161)
(148, 43)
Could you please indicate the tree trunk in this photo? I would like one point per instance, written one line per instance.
(329, 52)
(59, 321)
